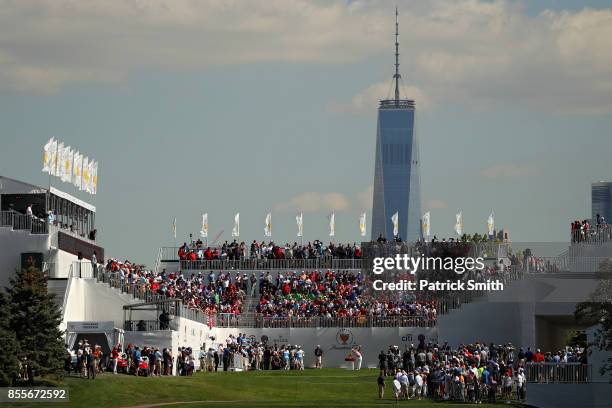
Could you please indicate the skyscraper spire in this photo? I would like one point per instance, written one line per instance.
(397, 75)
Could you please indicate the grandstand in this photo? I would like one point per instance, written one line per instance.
(330, 298)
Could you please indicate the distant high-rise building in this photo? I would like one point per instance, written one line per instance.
(396, 172)
(601, 200)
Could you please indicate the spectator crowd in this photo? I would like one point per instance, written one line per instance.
(474, 373)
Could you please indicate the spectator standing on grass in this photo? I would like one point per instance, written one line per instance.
(397, 389)
(318, 357)
(358, 357)
(521, 384)
(381, 384)
(91, 364)
(136, 359)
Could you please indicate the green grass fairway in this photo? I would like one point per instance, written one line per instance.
(310, 388)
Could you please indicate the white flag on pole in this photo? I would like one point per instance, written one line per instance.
(90, 181)
(236, 230)
(77, 169)
(299, 219)
(332, 224)
(47, 155)
(204, 230)
(491, 224)
(174, 228)
(395, 221)
(57, 159)
(65, 165)
(69, 166)
(94, 178)
(426, 223)
(85, 174)
(459, 223)
(268, 226)
(362, 224)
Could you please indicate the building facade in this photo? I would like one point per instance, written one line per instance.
(396, 173)
(397, 182)
(601, 200)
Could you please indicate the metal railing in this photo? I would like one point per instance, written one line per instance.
(146, 325)
(85, 269)
(6, 218)
(39, 226)
(443, 305)
(67, 291)
(264, 264)
(267, 322)
(597, 234)
(546, 373)
(22, 222)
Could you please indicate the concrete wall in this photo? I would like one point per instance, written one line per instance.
(12, 244)
(593, 395)
(89, 300)
(336, 342)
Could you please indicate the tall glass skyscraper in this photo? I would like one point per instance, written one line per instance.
(396, 173)
(601, 200)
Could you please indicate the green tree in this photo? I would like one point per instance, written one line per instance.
(597, 310)
(9, 347)
(35, 319)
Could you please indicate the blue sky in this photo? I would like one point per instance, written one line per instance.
(222, 107)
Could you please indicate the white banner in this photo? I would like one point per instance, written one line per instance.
(426, 222)
(268, 226)
(362, 224)
(94, 178)
(77, 170)
(332, 224)
(84, 174)
(459, 223)
(395, 221)
(236, 229)
(491, 224)
(47, 156)
(204, 230)
(299, 219)
(57, 159)
(66, 164)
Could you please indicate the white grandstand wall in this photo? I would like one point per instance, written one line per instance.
(12, 245)
(89, 300)
(336, 342)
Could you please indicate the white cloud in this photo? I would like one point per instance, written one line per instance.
(318, 201)
(315, 201)
(502, 172)
(436, 204)
(472, 52)
(366, 101)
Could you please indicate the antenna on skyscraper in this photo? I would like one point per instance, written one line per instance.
(397, 75)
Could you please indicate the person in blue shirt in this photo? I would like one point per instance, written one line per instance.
(136, 359)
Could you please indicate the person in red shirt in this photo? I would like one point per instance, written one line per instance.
(114, 358)
(538, 357)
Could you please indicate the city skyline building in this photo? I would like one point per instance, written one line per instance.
(396, 170)
(601, 200)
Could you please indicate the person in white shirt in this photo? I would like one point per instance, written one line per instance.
(521, 384)
(418, 385)
(29, 212)
(358, 357)
(397, 389)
